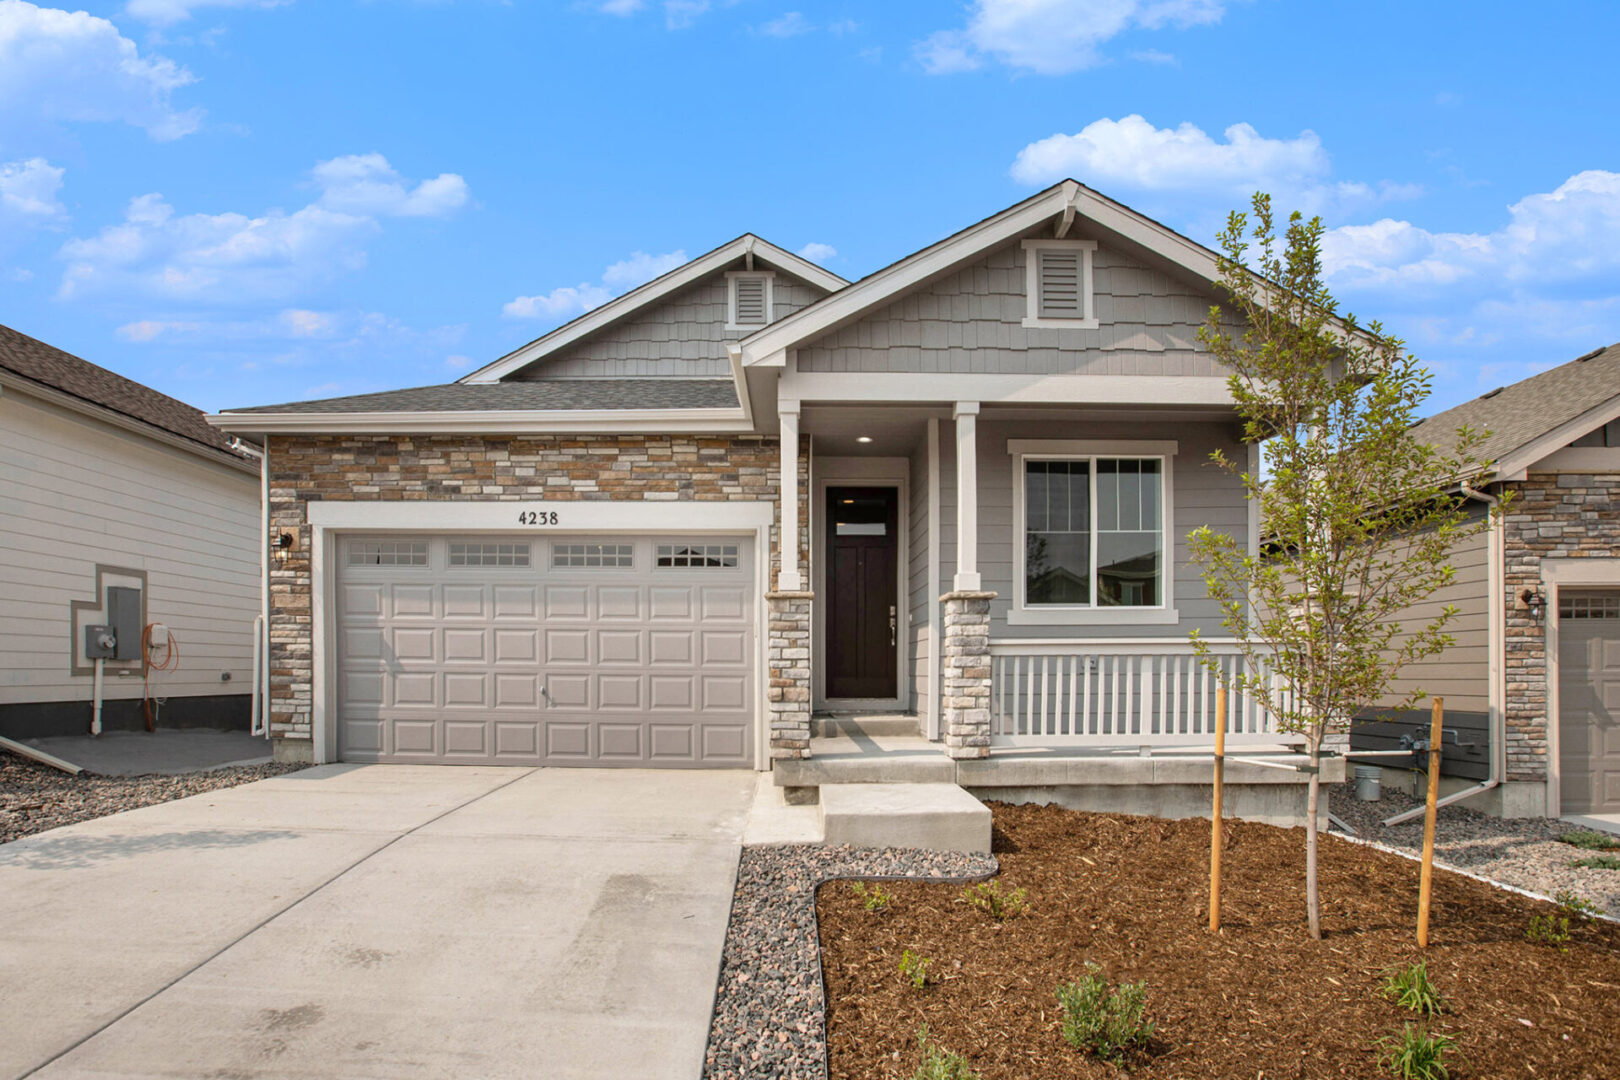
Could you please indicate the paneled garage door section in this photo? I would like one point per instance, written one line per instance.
(546, 651)
(1589, 701)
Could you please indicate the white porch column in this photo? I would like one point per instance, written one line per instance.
(967, 497)
(788, 578)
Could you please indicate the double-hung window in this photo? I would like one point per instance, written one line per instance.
(1092, 534)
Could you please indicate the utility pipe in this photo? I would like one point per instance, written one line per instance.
(259, 724)
(95, 701)
(1496, 607)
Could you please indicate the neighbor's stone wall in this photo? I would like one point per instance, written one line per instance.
(965, 693)
(1559, 516)
(560, 468)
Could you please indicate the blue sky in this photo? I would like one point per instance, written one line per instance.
(248, 201)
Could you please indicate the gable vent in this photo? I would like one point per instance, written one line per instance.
(1059, 281)
(749, 307)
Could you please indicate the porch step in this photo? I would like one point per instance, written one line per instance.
(938, 817)
(852, 725)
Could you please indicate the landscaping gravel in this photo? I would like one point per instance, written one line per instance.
(770, 1013)
(36, 797)
(1522, 852)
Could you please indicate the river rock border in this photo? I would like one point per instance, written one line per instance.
(770, 1009)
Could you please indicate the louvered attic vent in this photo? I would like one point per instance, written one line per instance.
(749, 300)
(1058, 279)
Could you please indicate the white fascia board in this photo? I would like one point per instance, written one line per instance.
(1019, 389)
(1559, 437)
(768, 347)
(30, 388)
(494, 422)
(653, 291)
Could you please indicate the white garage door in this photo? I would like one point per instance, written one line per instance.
(1589, 701)
(499, 649)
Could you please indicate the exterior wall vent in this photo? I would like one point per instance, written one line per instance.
(748, 299)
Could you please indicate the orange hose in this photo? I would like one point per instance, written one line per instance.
(170, 661)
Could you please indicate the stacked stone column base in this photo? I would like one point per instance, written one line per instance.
(965, 690)
(788, 661)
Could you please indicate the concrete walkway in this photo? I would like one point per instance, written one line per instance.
(377, 921)
(169, 751)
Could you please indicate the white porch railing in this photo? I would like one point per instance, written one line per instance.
(1139, 692)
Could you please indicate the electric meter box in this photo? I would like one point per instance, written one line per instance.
(100, 643)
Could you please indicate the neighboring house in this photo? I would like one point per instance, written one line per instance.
(580, 553)
(108, 485)
(1532, 683)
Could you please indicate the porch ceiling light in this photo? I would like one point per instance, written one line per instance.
(863, 438)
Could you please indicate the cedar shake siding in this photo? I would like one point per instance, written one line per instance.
(559, 468)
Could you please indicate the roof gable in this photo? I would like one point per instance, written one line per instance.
(652, 293)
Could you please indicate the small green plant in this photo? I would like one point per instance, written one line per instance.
(1591, 840)
(1599, 862)
(1574, 906)
(1549, 929)
(1108, 1021)
(939, 1063)
(914, 968)
(1001, 902)
(1417, 1054)
(874, 896)
(1411, 988)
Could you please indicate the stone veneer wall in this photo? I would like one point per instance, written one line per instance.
(965, 689)
(411, 468)
(1561, 516)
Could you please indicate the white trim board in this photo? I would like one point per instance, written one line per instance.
(652, 292)
(492, 422)
(925, 387)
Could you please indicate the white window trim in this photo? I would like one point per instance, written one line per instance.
(731, 298)
(1163, 614)
(1032, 291)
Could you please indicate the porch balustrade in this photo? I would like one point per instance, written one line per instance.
(1117, 693)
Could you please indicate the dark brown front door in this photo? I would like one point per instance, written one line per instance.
(862, 621)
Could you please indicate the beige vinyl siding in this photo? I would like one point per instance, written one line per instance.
(74, 493)
(1203, 495)
(1461, 673)
(684, 335)
(921, 634)
(971, 322)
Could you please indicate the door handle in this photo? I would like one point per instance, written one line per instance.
(893, 623)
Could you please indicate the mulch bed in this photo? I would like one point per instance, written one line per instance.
(35, 797)
(1260, 1000)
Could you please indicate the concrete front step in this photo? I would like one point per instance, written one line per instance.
(938, 817)
(832, 725)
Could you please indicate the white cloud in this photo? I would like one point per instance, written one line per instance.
(61, 65)
(237, 259)
(151, 329)
(570, 300)
(817, 252)
(620, 7)
(169, 12)
(1154, 56)
(1052, 37)
(1571, 233)
(1131, 155)
(457, 362)
(679, 14)
(367, 185)
(28, 191)
(840, 27)
(300, 322)
(791, 24)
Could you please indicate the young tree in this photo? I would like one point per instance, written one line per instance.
(1359, 517)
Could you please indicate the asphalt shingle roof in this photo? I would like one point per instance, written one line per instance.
(1520, 414)
(49, 366)
(559, 394)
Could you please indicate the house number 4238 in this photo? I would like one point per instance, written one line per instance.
(537, 517)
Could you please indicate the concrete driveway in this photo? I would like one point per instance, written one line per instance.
(377, 921)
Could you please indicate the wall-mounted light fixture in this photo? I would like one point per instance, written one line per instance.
(1530, 600)
(283, 546)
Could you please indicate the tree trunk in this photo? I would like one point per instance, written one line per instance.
(1313, 908)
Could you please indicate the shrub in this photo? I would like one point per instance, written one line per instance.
(914, 968)
(1574, 906)
(874, 896)
(1591, 840)
(1411, 988)
(1599, 862)
(1002, 903)
(939, 1063)
(1549, 929)
(1417, 1054)
(1105, 1020)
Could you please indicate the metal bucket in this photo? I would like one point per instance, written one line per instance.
(1369, 783)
